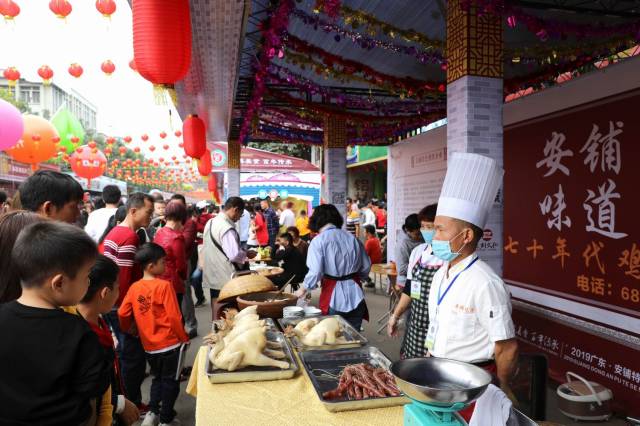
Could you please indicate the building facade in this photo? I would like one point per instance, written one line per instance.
(45, 100)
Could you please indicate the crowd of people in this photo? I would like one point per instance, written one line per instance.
(104, 284)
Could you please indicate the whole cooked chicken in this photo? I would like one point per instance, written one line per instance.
(245, 350)
(305, 326)
(325, 333)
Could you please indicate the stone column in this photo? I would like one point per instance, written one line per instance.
(233, 168)
(475, 99)
(335, 162)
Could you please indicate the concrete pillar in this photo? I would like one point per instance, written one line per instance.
(474, 101)
(335, 162)
(233, 169)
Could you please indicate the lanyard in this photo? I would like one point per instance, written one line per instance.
(441, 298)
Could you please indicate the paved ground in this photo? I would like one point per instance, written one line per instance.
(378, 305)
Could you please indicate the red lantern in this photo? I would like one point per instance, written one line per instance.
(46, 73)
(107, 151)
(165, 147)
(132, 65)
(92, 144)
(163, 135)
(152, 148)
(12, 75)
(178, 133)
(127, 139)
(204, 165)
(111, 140)
(122, 150)
(136, 149)
(9, 9)
(61, 8)
(144, 138)
(195, 136)
(74, 139)
(106, 7)
(75, 70)
(108, 67)
(162, 40)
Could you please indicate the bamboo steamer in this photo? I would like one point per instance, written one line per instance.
(245, 284)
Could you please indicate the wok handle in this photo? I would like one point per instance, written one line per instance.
(586, 383)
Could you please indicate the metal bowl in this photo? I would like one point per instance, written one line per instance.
(439, 381)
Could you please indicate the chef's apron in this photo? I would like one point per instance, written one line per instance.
(328, 285)
(418, 320)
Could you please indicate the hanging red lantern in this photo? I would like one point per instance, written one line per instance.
(108, 67)
(122, 150)
(162, 40)
(12, 75)
(46, 73)
(9, 9)
(195, 136)
(107, 151)
(111, 140)
(163, 135)
(152, 148)
(92, 144)
(204, 165)
(75, 70)
(165, 147)
(127, 139)
(144, 137)
(178, 133)
(88, 163)
(106, 7)
(136, 149)
(61, 8)
(132, 65)
(74, 139)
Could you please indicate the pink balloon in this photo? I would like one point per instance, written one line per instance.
(11, 126)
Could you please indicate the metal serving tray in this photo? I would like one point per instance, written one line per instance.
(353, 337)
(256, 374)
(320, 365)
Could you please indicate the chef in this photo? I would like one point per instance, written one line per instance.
(469, 304)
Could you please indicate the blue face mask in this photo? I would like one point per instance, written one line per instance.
(442, 249)
(427, 235)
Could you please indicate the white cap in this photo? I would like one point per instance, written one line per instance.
(469, 188)
(202, 204)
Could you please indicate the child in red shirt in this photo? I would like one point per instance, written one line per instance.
(153, 304)
(372, 245)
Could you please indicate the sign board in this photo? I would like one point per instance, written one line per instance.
(571, 234)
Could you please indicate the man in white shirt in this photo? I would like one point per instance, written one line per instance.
(469, 305)
(243, 227)
(288, 217)
(99, 219)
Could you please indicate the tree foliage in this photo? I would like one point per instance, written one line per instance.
(293, 149)
(9, 96)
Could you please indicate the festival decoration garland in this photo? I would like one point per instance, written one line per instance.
(272, 46)
(366, 42)
(347, 68)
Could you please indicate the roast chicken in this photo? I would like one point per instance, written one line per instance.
(245, 350)
(313, 332)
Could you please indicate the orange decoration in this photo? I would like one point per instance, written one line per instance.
(46, 73)
(37, 143)
(75, 70)
(108, 67)
(61, 8)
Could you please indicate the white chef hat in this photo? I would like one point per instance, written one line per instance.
(469, 188)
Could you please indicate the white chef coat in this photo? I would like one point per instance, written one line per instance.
(473, 315)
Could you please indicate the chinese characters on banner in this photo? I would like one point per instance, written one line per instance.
(571, 202)
(571, 232)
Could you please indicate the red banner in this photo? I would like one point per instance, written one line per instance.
(572, 240)
(571, 205)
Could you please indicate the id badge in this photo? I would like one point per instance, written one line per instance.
(430, 341)
(415, 289)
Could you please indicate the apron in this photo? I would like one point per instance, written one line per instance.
(418, 319)
(328, 284)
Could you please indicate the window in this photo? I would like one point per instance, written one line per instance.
(35, 95)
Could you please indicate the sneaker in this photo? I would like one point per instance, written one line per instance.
(174, 422)
(151, 419)
(200, 302)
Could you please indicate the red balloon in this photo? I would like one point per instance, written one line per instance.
(75, 70)
(162, 40)
(204, 165)
(88, 163)
(108, 67)
(106, 7)
(195, 136)
(61, 8)
(9, 9)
